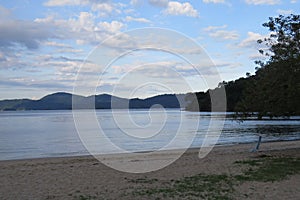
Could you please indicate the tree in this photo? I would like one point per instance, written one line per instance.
(201, 101)
(275, 91)
(284, 41)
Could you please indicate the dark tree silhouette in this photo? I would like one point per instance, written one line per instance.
(284, 41)
(275, 89)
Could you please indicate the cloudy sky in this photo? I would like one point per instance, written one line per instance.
(44, 44)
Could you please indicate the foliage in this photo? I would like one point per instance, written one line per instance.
(219, 186)
(193, 187)
(284, 41)
(275, 91)
(269, 169)
(234, 92)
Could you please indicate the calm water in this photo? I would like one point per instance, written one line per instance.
(33, 134)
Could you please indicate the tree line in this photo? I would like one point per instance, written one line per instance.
(274, 89)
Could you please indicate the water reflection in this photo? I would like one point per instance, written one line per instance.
(33, 134)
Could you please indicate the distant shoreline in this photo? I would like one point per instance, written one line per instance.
(68, 101)
(229, 115)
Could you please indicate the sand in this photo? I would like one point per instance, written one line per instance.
(86, 178)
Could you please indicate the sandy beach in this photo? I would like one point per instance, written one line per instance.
(228, 172)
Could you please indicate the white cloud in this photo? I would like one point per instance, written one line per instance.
(120, 69)
(213, 28)
(62, 47)
(135, 2)
(251, 40)
(221, 34)
(141, 20)
(112, 27)
(60, 70)
(84, 29)
(73, 2)
(257, 56)
(103, 7)
(63, 2)
(70, 50)
(284, 12)
(225, 35)
(23, 32)
(2, 57)
(214, 1)
(159, 3)
(55, 44)
(294, 1)
(177, 8)
(250, 43)
(262, 2)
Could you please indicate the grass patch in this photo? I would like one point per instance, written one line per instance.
(84, 197)
(269, 169)
(249, 162)
(209, 186)
(203, 186)
(143, 180)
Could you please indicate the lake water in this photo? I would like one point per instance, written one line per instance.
(35, 134)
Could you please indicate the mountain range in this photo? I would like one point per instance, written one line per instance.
(63, 101)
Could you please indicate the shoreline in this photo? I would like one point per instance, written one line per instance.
(166, 151)
(84, 177)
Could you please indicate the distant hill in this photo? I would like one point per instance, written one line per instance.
(63, 101)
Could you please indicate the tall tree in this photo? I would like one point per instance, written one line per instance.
(275, 91)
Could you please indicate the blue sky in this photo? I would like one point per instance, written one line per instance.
(44, 44)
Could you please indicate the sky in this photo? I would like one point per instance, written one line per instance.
(136, 48)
